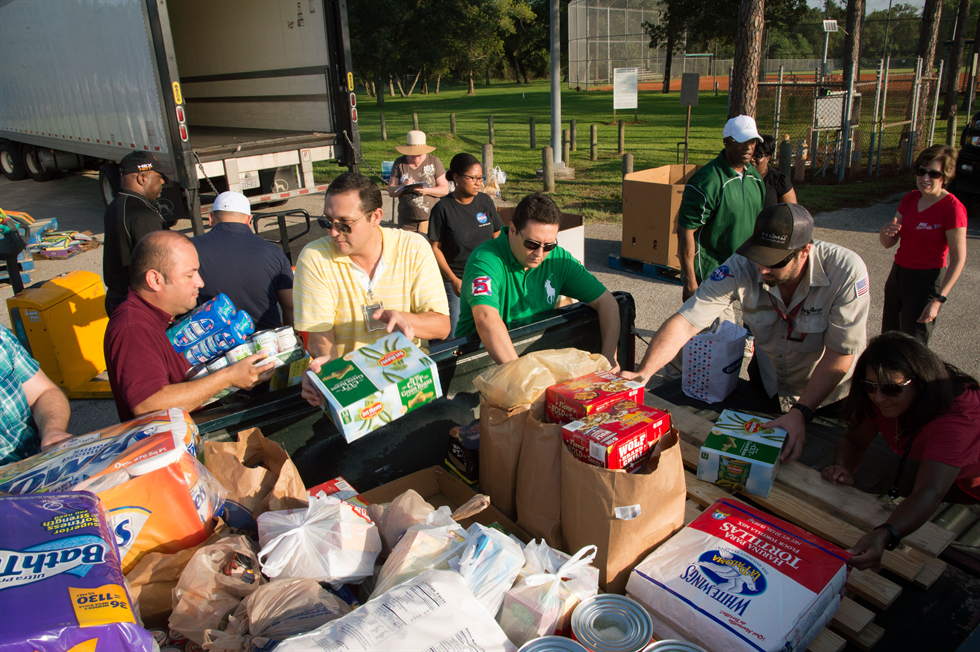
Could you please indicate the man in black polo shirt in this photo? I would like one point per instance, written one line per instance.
(253, 272)
(129, 217)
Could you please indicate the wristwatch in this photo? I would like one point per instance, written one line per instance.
(941, 298)
(893, 533)
(808, 414)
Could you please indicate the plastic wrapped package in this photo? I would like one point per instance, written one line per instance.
(406, 510)
(433, 611)
(329, 541)
(63, 585)
(490, 562)
(541, 604)
(212, 586)
(523, 381)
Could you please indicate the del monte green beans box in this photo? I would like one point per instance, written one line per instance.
(740, 454)
(376, 384)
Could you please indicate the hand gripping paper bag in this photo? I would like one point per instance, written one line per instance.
(624, 514)
(712, 363)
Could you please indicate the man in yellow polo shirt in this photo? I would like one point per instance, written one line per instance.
(362, 281)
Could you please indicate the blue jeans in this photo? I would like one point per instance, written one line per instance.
(453, 312)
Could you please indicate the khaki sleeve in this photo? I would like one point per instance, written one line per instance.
(848, 320)
(714, 295)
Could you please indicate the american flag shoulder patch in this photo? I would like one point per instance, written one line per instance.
(861, 287)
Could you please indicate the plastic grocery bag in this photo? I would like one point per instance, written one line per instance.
(490, 562)
(424, 546)
(495, 178)
(328, 541)
(712, 363)
(523, 381)
(542, 603)
(213, 584)
(406, 510)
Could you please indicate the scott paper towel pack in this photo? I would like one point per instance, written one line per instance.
(738, 579)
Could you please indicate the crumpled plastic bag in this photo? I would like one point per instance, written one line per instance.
(206, 593)
(328, 541)
(523, 381)
(541, 604)
(406, 510)
(490, 562)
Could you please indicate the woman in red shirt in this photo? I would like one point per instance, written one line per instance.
(927, 411)
(933, 223)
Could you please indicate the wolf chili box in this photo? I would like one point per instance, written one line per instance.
(618, 439)
(597, 392)
(376, 384)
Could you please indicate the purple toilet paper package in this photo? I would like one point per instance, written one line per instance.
(61, 584)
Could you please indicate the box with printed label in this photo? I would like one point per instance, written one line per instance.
(376, 384)
(596, 392)
(618, 439)
(342, 490)
(740, 454)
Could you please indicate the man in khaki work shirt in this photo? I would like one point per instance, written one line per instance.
(807, 304)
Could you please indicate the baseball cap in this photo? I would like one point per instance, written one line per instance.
(741, 128)
(778, 230)
(233, 202)
(141, 161)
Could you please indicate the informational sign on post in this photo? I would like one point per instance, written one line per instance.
(624, 88)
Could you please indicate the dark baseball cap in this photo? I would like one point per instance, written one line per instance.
(778, 230)
(140, 161)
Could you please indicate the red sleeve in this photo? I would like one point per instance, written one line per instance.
(956, 217)
(907, 203)
(138, 364)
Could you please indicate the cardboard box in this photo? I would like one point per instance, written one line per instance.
(571, 231)
(740, 454)
(376, 384)
(342, 490)
(439, 487)
(597, 392)
(290, 373)
(616, 440)
(651, 199)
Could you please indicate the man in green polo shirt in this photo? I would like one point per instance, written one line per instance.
(521, 273)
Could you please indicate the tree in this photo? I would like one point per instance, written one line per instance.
(852, 39)
(928, 37)
(748, 54)
(952, 67)
(971, 87)
(667, 33)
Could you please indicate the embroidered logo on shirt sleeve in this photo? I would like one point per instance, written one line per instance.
(721, 273)
(481, 286)
(861, 287)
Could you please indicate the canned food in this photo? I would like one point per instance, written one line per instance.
(611, 623)
(673, 645)
(177, 639)
(239, 567)
(197, 371)
(240, 352)
(218, 364)
(287, 338)
(552, 644)
(266, 342)
(159, 635)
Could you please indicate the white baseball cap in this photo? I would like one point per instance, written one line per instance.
(233, 202)
(741, 128)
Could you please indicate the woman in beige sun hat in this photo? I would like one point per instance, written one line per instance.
(417, 165)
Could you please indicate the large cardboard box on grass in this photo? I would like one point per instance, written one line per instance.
(651, 199)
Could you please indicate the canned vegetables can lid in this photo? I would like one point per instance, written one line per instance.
(552, 644)
(673, 645)
(612, 623)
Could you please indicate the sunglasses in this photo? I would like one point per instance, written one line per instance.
(888, 389)
(933, 174)
(343, 227)
(534, 245)
(784, 262)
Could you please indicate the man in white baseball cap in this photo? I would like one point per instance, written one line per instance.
(253, 272)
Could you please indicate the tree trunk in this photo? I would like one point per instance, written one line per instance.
(852, 39)
(970, 87)
(928, 38)
(527, 80)
(414, 82)
(471, 90)
(391, 86)
(517, 69)
(488, 77)
(668, 60)
(425, 87)
(401, 90)
(379, 90)
(438, 81)
(748, 55)
(952, 66)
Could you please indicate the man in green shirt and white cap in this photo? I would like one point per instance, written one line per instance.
(521, 273)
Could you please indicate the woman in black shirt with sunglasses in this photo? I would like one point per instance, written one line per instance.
(928, 411)
(930, 223)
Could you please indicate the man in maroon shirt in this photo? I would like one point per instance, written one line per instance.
(145, 372)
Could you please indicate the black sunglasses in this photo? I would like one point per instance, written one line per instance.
(933, 174)
(534, 245)
(784, 262)
(888, 389)
(343, 227)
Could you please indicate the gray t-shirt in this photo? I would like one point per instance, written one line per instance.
(412, 207)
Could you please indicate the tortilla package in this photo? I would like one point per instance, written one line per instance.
(62, 586)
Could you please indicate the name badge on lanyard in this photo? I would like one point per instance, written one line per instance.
(369, 310)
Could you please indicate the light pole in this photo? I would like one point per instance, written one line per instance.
(888, 22)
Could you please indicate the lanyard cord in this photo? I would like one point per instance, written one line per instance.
(789, 319)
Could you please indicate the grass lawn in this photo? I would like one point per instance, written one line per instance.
(596, 190)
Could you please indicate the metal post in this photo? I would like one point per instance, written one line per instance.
(384, 130)
(884, 107)
(909, 152)
(874, 122)
(548, 169)
(779, 101)
(846, 131)
(534, 134)
(935, 103)
(687, 134)
(490, 129)
(555, 83)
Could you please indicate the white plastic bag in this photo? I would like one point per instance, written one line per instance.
(489, 563)
(406, 510)
(495, 178)
(541, 604)
(328, 542)
(712, 362)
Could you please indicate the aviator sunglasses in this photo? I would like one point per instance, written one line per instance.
(343, 227)
(534, 245)
(888, 389)
(933, 174)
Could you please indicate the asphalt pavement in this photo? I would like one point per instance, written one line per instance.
(76, 201)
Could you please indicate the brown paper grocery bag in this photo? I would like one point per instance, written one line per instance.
(539, 481)
(258, 475)
(501, 436)
(624, 514)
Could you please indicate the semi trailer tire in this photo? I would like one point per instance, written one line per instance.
(33, 165)
(109, 181)
(11, 162)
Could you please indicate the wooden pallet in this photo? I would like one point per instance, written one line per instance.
(650, 270)
(838, 513)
